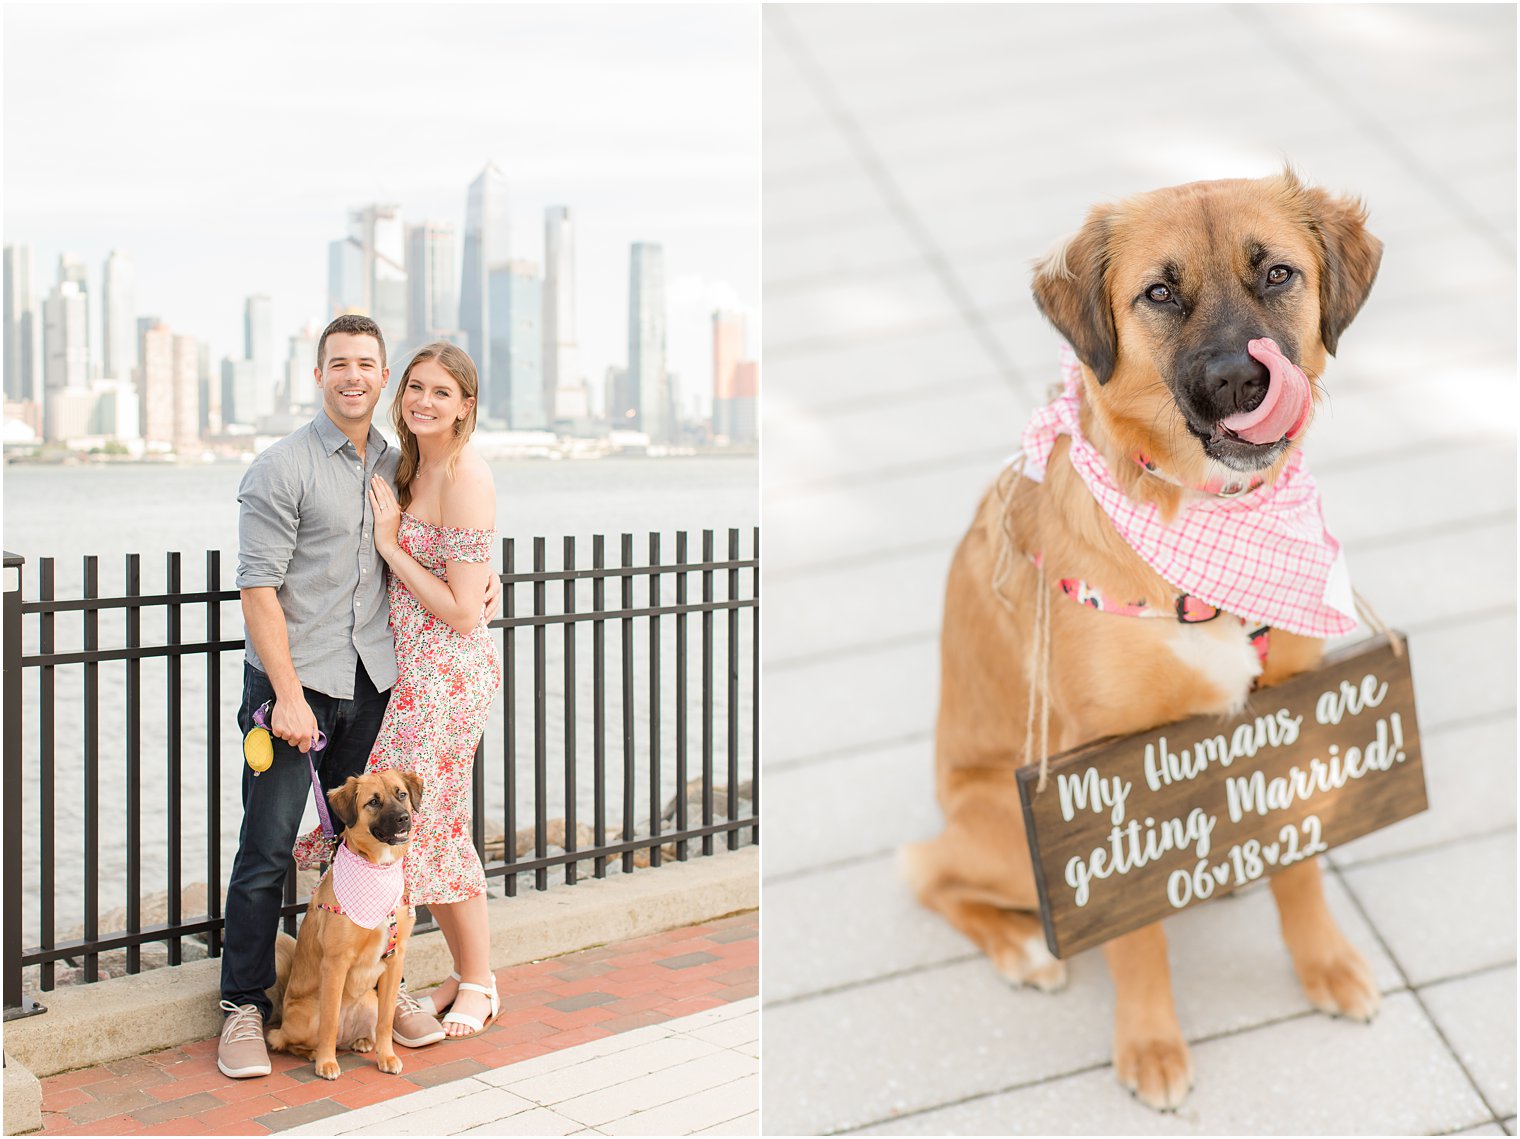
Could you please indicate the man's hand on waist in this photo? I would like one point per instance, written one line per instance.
(493, 597)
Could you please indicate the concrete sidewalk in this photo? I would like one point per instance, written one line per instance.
(917, 159)
(678, 1004)
(695, 1075)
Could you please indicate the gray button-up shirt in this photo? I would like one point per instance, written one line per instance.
(305, 527)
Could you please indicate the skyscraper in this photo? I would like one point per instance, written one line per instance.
(728, 350)
(366, 271)
(516, 386)
(486, 243)
(345, 278)
(649, 384)
(23, 331)
(155, 386)
(300, 362)
(66, 320)
(432, 287)
(744, 418)
(258, 350)
(563, 394)
(119, 303)
(239, 401)
(187, 394)
(72, 269)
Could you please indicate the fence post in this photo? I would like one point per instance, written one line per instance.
(17, 1004)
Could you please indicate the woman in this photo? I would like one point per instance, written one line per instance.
(435, 533)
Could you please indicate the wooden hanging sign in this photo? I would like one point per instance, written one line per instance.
(1133, 828)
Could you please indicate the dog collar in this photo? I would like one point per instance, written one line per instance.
(390, 941)
(1218, 487)
(1183, 608)
(1265, 556)
(366, 892)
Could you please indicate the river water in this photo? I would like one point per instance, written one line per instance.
(69, 512)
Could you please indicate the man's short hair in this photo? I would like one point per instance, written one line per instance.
(354, 325)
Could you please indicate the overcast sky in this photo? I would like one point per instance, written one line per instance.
(220, 146)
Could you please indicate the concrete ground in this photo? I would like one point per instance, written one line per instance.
(916, 159)
(695, 1075)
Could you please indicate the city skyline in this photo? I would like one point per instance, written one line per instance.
(634, 161)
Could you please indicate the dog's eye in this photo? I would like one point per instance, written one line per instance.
(1159, 293)
(1279, 275)
(375, 802)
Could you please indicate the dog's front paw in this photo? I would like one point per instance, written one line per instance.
(1026, 961)
(391, 1064)
(1340, 984)
(1159, 1072)
(363, 1044)
(328, 1069)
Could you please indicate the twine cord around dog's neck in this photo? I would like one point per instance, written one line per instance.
(1037, 662)
(1002, 565)
(1038, 667)
(1369, 615)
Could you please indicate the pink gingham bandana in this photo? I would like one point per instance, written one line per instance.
(368, 893)
(1264, 555)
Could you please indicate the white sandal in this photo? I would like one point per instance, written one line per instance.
(475, 1026)
(427, 1001)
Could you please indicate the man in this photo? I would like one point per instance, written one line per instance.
(319, 645)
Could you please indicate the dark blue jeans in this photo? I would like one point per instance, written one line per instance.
(273, 803)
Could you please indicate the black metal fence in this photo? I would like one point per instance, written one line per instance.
(668, 737)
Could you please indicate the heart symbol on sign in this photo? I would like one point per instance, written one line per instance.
(1221, 873)
(1270, 853)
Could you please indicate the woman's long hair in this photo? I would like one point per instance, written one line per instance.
(457, 363)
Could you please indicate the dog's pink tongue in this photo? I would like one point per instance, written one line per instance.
(1286, 407)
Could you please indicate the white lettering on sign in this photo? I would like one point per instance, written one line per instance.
(1349, 699)
(1247, 860)
(1138, 845)
(1079, 792)
(1162, 766)
(1140, 826)
(1255, 792)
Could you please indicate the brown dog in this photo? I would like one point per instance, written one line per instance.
(331, 976)
(1158, 296)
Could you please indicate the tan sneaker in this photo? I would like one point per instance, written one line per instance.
(414, 1026)
(241, 1052)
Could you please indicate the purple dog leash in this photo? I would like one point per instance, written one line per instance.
(261, 718)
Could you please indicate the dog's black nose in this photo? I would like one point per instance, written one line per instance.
(1237, 382)
(403, 821)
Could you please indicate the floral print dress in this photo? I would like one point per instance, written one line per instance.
(445, 682)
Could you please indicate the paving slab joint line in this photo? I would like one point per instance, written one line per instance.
(1265, 27)
(1193, 1042)
(901, 640)
(1428, 848)
(87, 1025)
(857, 648)
(849, 751)
(907, 216)
(814, 870)
(1413, 992)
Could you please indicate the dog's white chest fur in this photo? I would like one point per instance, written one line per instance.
(1222, 654)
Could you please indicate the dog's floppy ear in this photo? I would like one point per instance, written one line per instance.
(1350, 257)
(413, 783)
(1071, 288)
(344, 803)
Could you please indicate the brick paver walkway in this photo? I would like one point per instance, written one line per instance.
(546, 1006)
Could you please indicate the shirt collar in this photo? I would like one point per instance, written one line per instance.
(333, 438)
